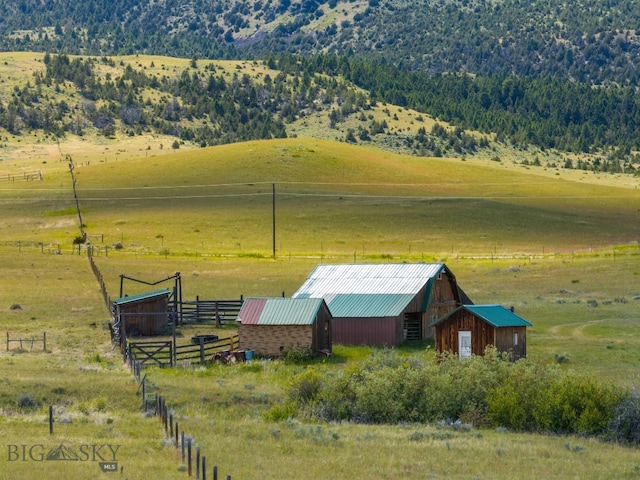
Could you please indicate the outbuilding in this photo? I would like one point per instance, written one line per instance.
(270, 326)
(144, 314)
(383, 304)
(470, 329)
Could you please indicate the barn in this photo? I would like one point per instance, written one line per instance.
(269, 326)
(144, 314)
(470, 329)
(383, 304)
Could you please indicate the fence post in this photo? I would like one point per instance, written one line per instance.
(204, 468)
(177, 427)
(171, 425)
(50, 419)
(44, 341)
(166, 423)
(215, 472)
(7, 341)
(202, 350)
(189, 456)
(182, 445)
(144, 393)
(198, 462)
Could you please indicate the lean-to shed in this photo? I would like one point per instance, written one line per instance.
(383, 304)
(144, 314)
(269, 326)
(470, 329)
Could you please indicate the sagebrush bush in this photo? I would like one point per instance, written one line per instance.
(624, 426)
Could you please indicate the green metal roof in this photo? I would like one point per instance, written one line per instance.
(290, 311)
(495, 315)
(142, 296)
(368, 305)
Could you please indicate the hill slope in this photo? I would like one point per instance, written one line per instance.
(593, 41)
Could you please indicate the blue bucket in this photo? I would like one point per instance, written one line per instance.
(248, 354)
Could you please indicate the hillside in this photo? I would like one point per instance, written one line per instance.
(591, 41)
(51, 99)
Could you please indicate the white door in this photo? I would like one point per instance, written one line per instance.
(464, 344)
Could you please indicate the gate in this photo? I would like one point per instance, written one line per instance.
(151, 353)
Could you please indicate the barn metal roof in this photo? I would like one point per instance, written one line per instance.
(495, 315)
(367, 305)
(376, 279)
(279, 311)
(142, 296)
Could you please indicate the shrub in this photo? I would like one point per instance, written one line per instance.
(281, 412)
(296, 355)
(510, 404)
(27, 402)
(624, 426)
(575, 404)
(304, 387)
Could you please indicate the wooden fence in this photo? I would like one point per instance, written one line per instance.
(218, 311)
(23, 342)
(166, 354)
(8, 177)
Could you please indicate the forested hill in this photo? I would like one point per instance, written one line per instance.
(590, 41)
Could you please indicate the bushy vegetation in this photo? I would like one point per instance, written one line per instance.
(543, 111)
(481, 391)
(591, 41)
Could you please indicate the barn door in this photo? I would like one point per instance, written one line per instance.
(464, 344)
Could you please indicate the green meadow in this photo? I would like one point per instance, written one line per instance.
(562, 249)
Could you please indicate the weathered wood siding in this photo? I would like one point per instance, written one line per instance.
(145, 318)
(505, 341)
(322, 331)
(444, 298)
(482, 335)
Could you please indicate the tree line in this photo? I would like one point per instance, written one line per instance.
(542, 111)
(590, 41)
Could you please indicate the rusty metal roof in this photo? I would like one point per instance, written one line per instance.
(403, 278)
(280, 311)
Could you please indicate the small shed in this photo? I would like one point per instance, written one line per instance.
(470, 329)
(383, 304)
(144, 314)
(269, 326)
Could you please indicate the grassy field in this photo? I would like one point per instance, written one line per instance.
(561, 247)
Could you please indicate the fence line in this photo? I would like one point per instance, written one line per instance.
(28, 341)
(26, 176)
(156, 404)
